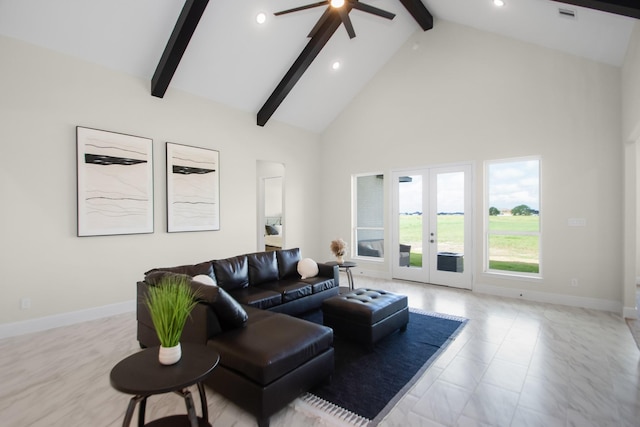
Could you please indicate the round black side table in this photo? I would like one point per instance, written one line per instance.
(142, 375)
(346, 266)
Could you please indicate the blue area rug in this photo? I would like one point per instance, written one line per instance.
(367, 384)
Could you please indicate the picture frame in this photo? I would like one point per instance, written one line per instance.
(114, 183)
(193, 188)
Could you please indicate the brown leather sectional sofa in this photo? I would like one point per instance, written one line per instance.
(267, 356)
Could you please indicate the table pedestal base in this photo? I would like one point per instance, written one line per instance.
(189, 420)
(177, 421)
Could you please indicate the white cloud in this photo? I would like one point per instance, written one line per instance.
(514, 183)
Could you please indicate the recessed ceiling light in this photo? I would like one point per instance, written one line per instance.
(261, 18)
(335, 65)
(498, 3)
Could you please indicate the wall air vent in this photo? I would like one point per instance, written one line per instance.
(566, 13)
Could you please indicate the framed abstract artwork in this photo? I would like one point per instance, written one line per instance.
(115, 183)
(193, 188)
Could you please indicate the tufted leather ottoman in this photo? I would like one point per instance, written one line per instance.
(366, 315)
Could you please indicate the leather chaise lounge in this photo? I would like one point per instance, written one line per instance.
(267, 357)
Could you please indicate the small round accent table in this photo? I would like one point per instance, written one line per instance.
(142, 375)
(346, 266)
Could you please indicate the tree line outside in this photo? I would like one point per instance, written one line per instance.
(520, 210)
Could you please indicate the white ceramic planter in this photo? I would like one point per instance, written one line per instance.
(170, 355)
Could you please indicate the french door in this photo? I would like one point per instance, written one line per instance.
(432, 220)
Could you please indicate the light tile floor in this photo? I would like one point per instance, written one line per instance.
(634, 324)
(516, 363)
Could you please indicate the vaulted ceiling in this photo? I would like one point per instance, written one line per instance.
(233, 60)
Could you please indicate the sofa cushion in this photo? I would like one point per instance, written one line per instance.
(288, 263)
(319, 284)
(257, 297)
(263, 267)
(190, 270)
(232, 273)
(271, 346)
(290, 290)
(230, 313)
(270, 230)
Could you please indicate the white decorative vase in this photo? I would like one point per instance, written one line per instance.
(340, 259)
(170, 355)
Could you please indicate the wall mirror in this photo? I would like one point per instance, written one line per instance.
(271, 224)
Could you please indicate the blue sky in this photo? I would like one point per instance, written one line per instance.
(514, 183)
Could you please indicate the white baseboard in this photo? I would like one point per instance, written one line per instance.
(570, 300)
(630, 312)
(57, 320)
(65, 319)
(377, 274)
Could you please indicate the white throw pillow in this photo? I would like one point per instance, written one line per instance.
(204, 279)
(307, 268)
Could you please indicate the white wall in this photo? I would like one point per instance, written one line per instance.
(467, 95)
(631, 139)
(631, 88)
(44, 96)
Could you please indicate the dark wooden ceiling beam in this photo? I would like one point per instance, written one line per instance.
(320, 36)
(629, 8)
(185, 27)
(311, 50)
(419, 12)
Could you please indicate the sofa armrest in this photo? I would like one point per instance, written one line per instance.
(201, 324)
(331, 271)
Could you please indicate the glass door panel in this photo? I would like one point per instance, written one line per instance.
(409, 225)
(450, 221)
(410, 228)
(450, 235)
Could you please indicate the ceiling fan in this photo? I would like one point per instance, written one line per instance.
(342, 7)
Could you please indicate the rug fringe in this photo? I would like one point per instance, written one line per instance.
(309, 402)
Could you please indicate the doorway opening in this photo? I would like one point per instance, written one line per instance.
(270, 212)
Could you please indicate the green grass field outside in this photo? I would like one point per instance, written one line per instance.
(516, 253)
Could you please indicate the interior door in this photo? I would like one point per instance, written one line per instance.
(432, 225)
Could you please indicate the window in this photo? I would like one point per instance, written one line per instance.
(513, 216)
(369, 216)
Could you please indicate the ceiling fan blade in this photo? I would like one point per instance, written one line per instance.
(344, 15)
(305, 7)
(321, 21)
(373, 10)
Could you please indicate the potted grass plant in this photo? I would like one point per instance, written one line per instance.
(170, 303)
